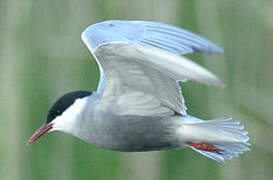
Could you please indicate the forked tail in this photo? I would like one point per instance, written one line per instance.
(217, 139)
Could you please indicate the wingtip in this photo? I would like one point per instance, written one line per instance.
(215, 49)
(214, 81)
(220, 83)
(219, 50)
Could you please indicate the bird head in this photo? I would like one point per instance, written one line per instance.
(62, 114)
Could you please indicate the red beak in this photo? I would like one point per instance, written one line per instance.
(41, 131)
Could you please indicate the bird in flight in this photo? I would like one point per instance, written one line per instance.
(138, 105)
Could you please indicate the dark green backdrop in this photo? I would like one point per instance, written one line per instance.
(42, 57)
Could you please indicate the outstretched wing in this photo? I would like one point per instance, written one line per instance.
(142, 80)
(146, 33)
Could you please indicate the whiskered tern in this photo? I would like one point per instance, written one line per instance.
(138, 105)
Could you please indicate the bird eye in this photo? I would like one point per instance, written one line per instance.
(58, 112)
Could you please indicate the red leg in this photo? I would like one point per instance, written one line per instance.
(204, 147)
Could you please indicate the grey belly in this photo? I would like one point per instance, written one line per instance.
(133, 133)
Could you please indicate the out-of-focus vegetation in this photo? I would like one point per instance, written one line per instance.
(42, 57)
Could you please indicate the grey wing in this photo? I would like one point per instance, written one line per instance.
(174, 39)
(143, 81)
(146, 33)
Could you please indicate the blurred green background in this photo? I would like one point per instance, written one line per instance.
(42, 57)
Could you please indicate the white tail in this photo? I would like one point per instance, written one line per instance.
(217, 139)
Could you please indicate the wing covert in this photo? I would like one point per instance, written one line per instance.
(143, 81)
(137, 89)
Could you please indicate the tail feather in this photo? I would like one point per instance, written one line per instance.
(230, 128)
(214, 156)
(218, 139)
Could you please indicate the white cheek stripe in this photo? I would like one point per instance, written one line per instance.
(66, 121)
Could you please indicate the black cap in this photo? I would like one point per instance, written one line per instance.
(63, 103)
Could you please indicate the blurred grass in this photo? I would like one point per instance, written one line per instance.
(42, 57)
